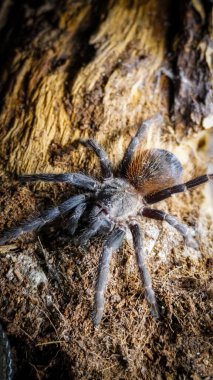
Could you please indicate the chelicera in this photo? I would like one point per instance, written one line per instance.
(117, 203)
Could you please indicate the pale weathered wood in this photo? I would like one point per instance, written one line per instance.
(52, 95)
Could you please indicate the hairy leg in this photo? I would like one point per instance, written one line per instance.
(166, 193)
(93, 227)
(75, 217)
(6, 357)
(101, 154)
(77, 179)
(46, 217)
(145, 276)
(182, 228)
(137, 139)
(113, 242)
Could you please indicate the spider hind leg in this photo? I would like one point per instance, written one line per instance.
(144, 273)
(166, 193)
(174, 222)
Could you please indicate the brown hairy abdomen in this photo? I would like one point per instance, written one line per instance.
(153, 170)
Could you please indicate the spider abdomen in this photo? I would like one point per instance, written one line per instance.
(153, 170)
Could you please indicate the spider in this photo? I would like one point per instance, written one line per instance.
(116, 203)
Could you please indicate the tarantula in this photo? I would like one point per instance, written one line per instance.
(116, 204)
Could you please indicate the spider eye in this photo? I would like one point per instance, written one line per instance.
(154, 170)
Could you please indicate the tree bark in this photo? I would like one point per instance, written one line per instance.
(78, 69)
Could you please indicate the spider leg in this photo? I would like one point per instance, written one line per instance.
(46, 217)
(145, 276)
(101, 154)
(137, 139)
(6, 359)
(182, 228)
(101, 222)
(76, 179)
(75, 217)
(166, 193)
(113, 243)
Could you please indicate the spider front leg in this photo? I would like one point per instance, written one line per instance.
(141, 133)
(113, 242)
(180, 227)
(75, 217)
(166, 193)
(46, 217)
(77, 179)
(101, 154)
(99, 223)
(144, 273)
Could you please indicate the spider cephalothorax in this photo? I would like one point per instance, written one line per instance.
(116, 204)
